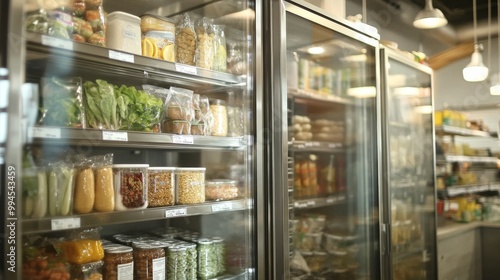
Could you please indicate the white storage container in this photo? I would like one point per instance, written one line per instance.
(124, 32)
(131, 186)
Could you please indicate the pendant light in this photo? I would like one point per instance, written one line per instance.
(495, 90)
(429, 17)
(475, 71)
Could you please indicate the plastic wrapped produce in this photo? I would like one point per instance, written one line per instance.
(83, 246)
(185, 41)
(104, 187)
(205, 43)
(84, 193)
(62, 102)
(61, 181)
(42, 260)
(87, 271)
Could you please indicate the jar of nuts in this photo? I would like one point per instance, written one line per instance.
(118, 263)
(221, 189)
(149, 262)
(190, 185)
(161, 186)
(219, 115)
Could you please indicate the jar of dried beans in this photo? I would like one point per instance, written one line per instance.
(161, 186)
(190, 185)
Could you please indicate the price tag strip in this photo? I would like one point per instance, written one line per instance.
(65, 223)
(222, 207)
(57, 42)
(182, 139)
(46, 132)
(176, 212)
(188, 69)
(114, 136)
(121, 56)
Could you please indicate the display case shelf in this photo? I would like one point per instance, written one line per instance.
(320, 202)
(454, 191)
(131, 216)
(316, 97)
(119, 138)
(459, 158)
(41, 47)
(452, 130)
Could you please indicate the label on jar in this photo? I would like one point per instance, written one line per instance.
(159, 269)
(125, 271)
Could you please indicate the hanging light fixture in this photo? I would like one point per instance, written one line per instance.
(475, 71)
(495, 90)
(429, 17)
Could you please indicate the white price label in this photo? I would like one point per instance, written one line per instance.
(222, 207)
(114, 136)
(331, 200)
(311, 203)
(300, 205)
(176, 212)
(57, 42)
(341, 198)
(121, 56)
(186, 69)
(46, 132)
(183, 139)
(65, 223)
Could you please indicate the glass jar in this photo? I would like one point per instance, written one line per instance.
(149, 262)
(191, 260)
(221, 189)
(207, 260)
(219, 114)
(220, 252)
(161, 186)
(118, 263)
(176, 264)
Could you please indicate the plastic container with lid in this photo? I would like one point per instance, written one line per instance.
(158, 37)
(207, 259)
(221, 189)
(219, 113)
(118, 263)
(161, 186)
(190, 185)
(149, 262)
(124, 32)
(131, 186)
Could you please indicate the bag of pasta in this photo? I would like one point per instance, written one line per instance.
(185, 40)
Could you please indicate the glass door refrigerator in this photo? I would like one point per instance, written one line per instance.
(409, 190)
(325, 167)
(132, 140)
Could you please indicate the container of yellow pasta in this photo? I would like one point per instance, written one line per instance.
(158, 37)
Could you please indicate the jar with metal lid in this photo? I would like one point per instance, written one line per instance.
(219, 113)
(207, 260)
(118, 263)
(191, 260)
(149, 262)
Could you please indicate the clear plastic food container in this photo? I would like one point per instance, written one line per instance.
(124, 32)
(161, 186)
(88, 271)
(131, 186)
(158, 37)
(190, 185)
(308, 242)
(221, 189)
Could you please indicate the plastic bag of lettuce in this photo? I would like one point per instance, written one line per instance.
(108, 106)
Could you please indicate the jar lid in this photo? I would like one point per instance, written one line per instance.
(123, 15)
(205, 241)
(221, 182)
(191, 169)
(118, 249)
(144, 246)
(217, 239)
(155, 168)
(130, 165)
(217, 102)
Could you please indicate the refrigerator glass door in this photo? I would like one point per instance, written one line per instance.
(332, 146)
(411, 169)
(138, 129)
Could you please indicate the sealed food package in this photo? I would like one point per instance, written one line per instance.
(185, 40)
(83, 246)
(161, 186)
(158, 37)
(29, 180)
(221, 189)
(42, 260)
(60, 24)
(100, 105)
(39, 197)
(131, 191)
(204, 43)
(207, 118)
(220, 50)
(87, 271)
(84, 192)
(176, 127)
(89, 22)
(61, 181)
(37, 22)
(104, 187)
(62, 102)
(219, 113)
(190, 185)
(118, 263)
(123, 32)
(178, 111)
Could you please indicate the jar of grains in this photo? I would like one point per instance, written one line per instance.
(118, 263)
(219, 112)
(149, 262)
(190, 185)
(161, 186)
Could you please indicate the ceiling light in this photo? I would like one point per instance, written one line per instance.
(429, 17)
(316, 50)
(475, 71)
